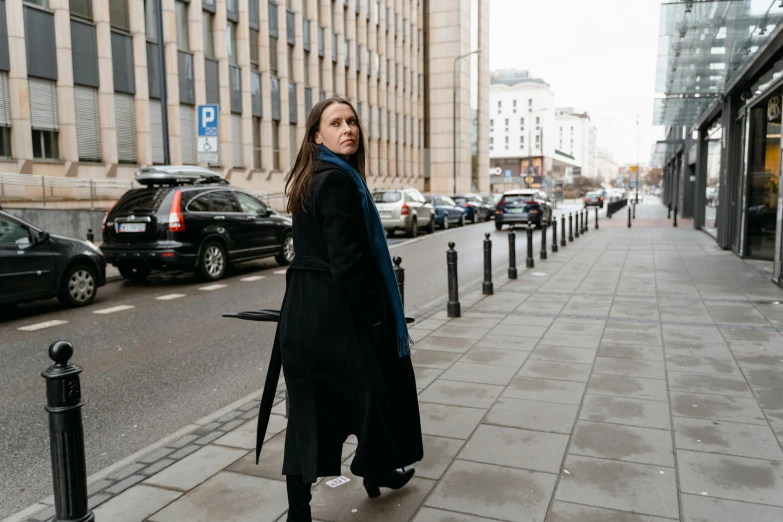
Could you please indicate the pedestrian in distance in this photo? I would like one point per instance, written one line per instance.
(342, 338)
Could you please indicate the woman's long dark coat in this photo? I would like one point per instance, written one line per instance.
(342, 373)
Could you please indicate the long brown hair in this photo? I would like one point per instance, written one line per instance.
(298, 185)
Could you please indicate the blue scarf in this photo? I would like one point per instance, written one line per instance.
(379, 247)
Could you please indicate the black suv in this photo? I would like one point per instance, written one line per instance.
(189, 218)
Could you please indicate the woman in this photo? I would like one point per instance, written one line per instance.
(342, 336)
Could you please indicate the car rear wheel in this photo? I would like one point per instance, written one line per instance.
(79, 286)
(413, 229)
(431, 226)
(445, 224)
(473, 218)
(462, 220)
(133, 273)
(286, 254)
(212, 263)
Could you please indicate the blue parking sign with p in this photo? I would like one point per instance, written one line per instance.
(208, 120)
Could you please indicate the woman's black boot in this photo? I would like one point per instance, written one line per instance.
(298, 499)
(391, 479)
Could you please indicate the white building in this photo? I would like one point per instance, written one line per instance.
(607, 168)
(577, 137)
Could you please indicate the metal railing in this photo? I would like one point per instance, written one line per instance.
(57, 188)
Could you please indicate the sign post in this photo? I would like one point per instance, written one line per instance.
(207, 127)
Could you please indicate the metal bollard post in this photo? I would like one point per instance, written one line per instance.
(90, 236)
(66, 435)
(452, 308)
(399, 275)
(570, 227)
(543, 240)
(669, 212)
(563, 231)
(577, 225)
(486, 287)
(529, 261)
(634, 207)
(675, 215)
(554, 235)
(587, 220)
(596, 218)
(629, 217)
(512, 254)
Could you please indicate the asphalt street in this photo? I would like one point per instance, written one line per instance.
(158, 356)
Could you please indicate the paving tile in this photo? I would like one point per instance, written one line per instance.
(528, 320)
(632, 387)
(568, 512)
(701, 364)
(196, 468)
(759, 360)
(718, 350)
(270, 462)
(478, 320)
(625, 486)
(716, 407)
(155, 468)
(517, 448)
(460, 332)
(449, 421)
(549, 390)
(183, 441)
(425, 376)
(636, 337)
(461, 393)
(770, 400)
(480, 373)
(684, 333)
(417, 335)
(733, 478)
(519, 344)
(480, 355)
(184, 452)
(125, 483)
(430, 324)
(564, 326)
(438, 454)
(229, 497)
(556, 370)
(135, 504)
(533, 415)
(706, 509)
(500, 302)
(709, 383)
(445, 344)
(629, 367)
(245, 436)
(630, 412)
(438, 515)
(728, 438)
(630, 351)
(156, 455)
(628, 443)
(560, 353)
(519, 330)
(571, 341)
(433, 358)
(765, 378)
(494, 491)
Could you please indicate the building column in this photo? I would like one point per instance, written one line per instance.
(196, 44)
(21, 131)
(221, 55)
(106, 85)
(243, 61)
(141, 100)
(282, 73)
(483, 97)
(266, 88)
(66, 112)
(172, 80)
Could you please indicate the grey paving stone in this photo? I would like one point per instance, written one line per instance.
(433, 358)
(438, 454)
(208, 428)
(568, 512)
(158, 466)
(245, 436)
(445, 344)
(494, 491)
(209, 437)
(124, 484)
(156, 455)
(706, 509)
(759, 360)
(427, 514)
(100, 485)
(417, 335)
(519, 344)
(135, 504)
(571, 341)
(250, 405)
(765, 378)
(430, 324)
(184, 452)
(270, 462)
(461, 393)
(625, 486)
(96, 500)
(528, 320)
(701, 364)
(519, 330)
(716, 407)
(425, 376)
(533, 415)
(709, 383)
(455, 331)
(629, 367)
(548, 390)
(480, 373)
(230, 416)
(500, 302)
(533, 450)
(449, 421)
(677, 332)
(736, 314)
(629, 351)
(728, 438)
(125, 472)
(249, 415)
(630, 412)
(627, 443)
(239, 420)
(562, 354)
(733, 478)
(183, 441)
(556, 370)
(770, 400)
(228, 497)
(480, 355)
(196, 468)
(44, 515)
(633, 387)
(638, 337)
(566, 326)
(718, 350)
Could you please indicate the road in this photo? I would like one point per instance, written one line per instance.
(158, 356)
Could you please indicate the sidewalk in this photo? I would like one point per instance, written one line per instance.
(635, 376)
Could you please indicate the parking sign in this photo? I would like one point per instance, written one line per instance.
(207, 132)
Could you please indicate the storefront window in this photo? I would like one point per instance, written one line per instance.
(714, 149)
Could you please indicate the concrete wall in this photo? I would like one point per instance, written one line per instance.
(71, 223)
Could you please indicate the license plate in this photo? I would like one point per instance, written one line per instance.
(385, 214)
(132, 227)
(516, 210)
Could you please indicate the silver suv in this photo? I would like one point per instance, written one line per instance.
(404, 209)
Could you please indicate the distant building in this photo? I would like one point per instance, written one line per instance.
(607, 168)
(578, 137)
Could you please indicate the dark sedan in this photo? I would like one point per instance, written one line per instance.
(37, 265)
(595, 199)
(447, 212)
(474, 207)
(526, 206)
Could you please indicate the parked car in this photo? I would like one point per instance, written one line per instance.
(35, 265)
(523, 206)
(595, 199)
(447, 212)
(404, 209)
(189, 218)
(491, 202)
(474, 207)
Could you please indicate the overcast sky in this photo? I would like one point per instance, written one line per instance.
(597, 55)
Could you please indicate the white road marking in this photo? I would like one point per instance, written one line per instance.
(169, 297)
(209, 288)
(252, 278)
(41, 326)
(280, 272)
(113, 309)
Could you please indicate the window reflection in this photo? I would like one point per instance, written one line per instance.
(763, 179)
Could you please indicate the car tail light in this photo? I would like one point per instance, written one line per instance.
(601, 198)
(176, 221)
(405, 210)
(587, 199)
(533, 211)
(106, 216)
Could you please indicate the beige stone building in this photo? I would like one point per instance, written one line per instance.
(90, 88)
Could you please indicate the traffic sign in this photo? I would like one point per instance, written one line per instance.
(207, 132)
(633, 168)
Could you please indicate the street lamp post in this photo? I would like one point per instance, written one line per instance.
(454, 123)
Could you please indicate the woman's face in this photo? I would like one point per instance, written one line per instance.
(338, 130)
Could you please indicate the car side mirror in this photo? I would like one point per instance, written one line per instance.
(43, 237)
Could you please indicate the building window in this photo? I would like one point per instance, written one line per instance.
(506, 126)
(5, 142)
(231, 42)
(522, 124)
(530, 103)
(538, 140)
(39, 3)
(151, 20)
(491, 125)
(521, 141)
(43, 117)
(275, 145)
(491, 141)
(290, 56)
(306, 77)
(500, 106)
(45, 145)
(183, 34)
(292, 146)
(257, 143)
(81, 8)
(208, 25)
(118, 14)
(514, 106)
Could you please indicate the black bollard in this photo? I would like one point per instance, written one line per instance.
(512, 254)
(669, 212)
(570, 227)
(486, 287)
(399, 275)
(90, 236)
(452, 307)
(563, 231)
(587, 220)
(66, 435)
(596, 218)
(554, 235)
(629, 217)
(634, 207)
(577, 225)
(529, 261)
(543, 240)
(675, 215)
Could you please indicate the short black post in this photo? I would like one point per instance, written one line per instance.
(90, 236)
(629, 217)
(563, 231)
(399, 275)
(634, 207)
(512, 253)
(529, 261)
(554, 235)
(577, 225)
(587, 220)
(486, 287)
(669, 213)
(596, 218)
(570, 227)
(66, 435)
(675, 215)
(543, 240)
(452, 308)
